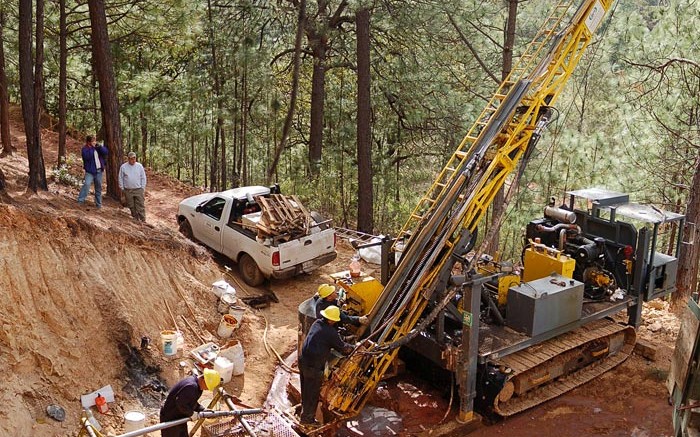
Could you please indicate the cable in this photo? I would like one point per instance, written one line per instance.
(452, 392)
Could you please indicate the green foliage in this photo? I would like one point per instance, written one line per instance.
(621, 124)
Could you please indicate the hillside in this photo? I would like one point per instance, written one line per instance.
(81, 287)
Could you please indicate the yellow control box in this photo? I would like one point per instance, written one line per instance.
(540, 263)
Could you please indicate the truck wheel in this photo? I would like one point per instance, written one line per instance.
(250, 271)
(318, 218)
(186, 229)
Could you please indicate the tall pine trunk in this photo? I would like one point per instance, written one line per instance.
(301, 18)
(689, 257)
(62, 82)
(102, 57)
(5, 137)
(318, 99)
(26, 84)
(365, 200)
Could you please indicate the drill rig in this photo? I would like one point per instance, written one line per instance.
(510, 341)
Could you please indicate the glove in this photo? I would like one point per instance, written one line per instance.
(364, 320)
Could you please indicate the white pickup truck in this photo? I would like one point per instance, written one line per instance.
(226, 222)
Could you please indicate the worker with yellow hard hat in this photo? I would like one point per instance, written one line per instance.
(183, 400)
(326, 296)
(315, 352)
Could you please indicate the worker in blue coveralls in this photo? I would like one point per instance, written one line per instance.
(183, 401)
(315, 352)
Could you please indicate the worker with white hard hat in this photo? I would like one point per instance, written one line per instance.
(183, 400)
(326, 296)
(315, 352)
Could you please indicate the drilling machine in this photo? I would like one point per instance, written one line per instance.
(511, 339)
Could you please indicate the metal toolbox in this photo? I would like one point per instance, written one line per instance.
(544, 304)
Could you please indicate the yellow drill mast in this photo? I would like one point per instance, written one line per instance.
(445, 219)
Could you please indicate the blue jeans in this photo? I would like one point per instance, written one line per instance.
(85, 190)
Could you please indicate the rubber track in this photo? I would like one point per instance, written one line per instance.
(540, 354)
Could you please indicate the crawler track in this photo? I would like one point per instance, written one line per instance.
(547, 370)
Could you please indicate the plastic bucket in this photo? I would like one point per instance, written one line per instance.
(224, 367)
(226, 301)
(237, 312)
(134, 420)
(168, 340)
(226, 326)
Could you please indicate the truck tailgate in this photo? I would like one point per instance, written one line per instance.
(306, 249)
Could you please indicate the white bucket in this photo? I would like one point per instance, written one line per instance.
(168, 340)
(134, 420)
(235, 355)
(237, 312)
(224, 367)
(226, 301)
(226, 326)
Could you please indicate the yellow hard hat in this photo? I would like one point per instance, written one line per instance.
(212, 379)
(325, 290)
(331, 313)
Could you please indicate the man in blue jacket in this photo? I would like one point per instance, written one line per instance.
(183, 400)
(315, 352)
(94, 165)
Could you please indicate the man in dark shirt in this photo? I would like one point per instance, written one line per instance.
(315, 352)
(326, 296)
(182, 400)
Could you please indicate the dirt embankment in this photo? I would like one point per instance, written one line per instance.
(75, 293)
(80, 287)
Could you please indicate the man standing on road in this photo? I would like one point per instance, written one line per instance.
(132, 183)
(182, 401)
(94, 164)
(326, 296)
(315, 352)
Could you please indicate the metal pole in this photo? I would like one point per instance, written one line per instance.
(468, 356)
(244, 423)
(157, 427)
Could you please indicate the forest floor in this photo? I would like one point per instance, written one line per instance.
(81, 287)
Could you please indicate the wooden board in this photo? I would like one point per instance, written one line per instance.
(684, 348)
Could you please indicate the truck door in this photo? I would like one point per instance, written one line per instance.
(210, 220)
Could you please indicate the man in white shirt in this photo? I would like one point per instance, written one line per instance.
(132, 183)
